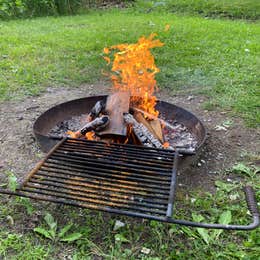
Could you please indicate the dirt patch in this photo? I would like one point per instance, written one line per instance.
(227, 138)
(19, 152)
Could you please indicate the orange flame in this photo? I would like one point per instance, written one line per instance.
(134, 70)
(90, 135)
(166, 145)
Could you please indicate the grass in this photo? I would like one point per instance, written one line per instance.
(139, 239)
(218, 58)
(235, 9)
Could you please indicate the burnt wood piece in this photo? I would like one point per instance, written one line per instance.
(157, 129)
(142, 133)
(154, 125)
(97, 109)
(117, 104)
(140, 119)
(97, 124)
(163, 122)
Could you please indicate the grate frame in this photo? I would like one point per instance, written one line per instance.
(161, 180)
(117, 178)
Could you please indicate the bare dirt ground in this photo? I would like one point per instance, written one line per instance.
(19, 151)
(227, 139)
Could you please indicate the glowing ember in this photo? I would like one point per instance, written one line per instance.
(90, 135)
(166, 145)
(134, 70)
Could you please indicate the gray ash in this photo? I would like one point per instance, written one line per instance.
(178, 135)
(73, 124)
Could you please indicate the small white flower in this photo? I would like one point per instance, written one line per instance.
(146, 251)
(192, 200)
(247, 50)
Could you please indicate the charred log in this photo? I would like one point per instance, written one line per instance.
(97, 124)
(97, 109)
(117, 104)
(142, 133)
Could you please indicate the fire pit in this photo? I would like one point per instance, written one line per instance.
(64, 112)
(137, 145)
(123, 179)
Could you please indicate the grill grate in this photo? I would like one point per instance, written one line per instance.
(124, 179)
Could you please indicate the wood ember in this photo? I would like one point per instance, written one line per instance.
(180, 137)
(97, 109)
(154, 125)
(163, 122)
(97, 124)
(142, 133)
(140, 119)
(117, 104)
(157, 129)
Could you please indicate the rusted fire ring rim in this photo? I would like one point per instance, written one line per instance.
(48, 119)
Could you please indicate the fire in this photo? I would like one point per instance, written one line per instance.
(90, 135)
(134, 70)
(166, 145)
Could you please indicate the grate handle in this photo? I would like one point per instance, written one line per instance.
(251, 204)
(251, 200)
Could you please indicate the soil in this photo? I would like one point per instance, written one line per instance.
(19, 151)
(224, 145)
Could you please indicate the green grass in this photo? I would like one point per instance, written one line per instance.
(214, 57)
(163, 241)
(235, 9)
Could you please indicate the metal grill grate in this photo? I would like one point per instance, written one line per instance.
(123, 179)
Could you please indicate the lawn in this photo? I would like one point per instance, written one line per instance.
(214, 57)
(235, 9)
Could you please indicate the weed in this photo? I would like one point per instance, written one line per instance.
(52, 234)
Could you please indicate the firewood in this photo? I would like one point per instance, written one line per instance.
(154, 125)
(140, 119)
(157, 129)
(97, 109)
(117, 104)
(163, 122)
(142, 133)
(97, 124)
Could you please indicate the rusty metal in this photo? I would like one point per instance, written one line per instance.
(122, 179)
(107, 177)
(47, 120)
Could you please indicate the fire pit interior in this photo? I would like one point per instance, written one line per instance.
(183, 131)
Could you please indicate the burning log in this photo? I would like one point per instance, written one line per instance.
(142, 133)
(97, 124)
(157, 129)
(117, 104)
(96, 110)
(154, 125)
(163, 122)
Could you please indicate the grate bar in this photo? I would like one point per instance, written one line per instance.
(68, 174)
(107, 196)
(123, 154)
(106, 172)
(56, 167)
(116, 187)
(127, 179)
(111, 164)
(72, 196)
